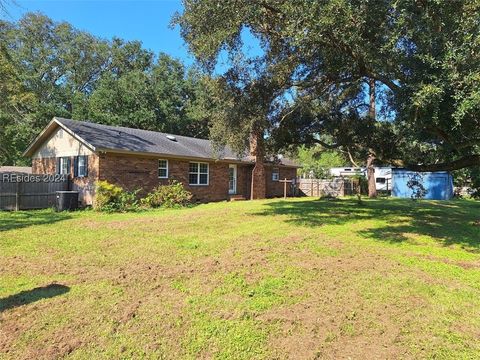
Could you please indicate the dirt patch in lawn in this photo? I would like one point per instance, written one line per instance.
(463, 264)
(148, 286)
(62, 340)
(330, 322)
(337, 322)
(239, 286)
(336, 326)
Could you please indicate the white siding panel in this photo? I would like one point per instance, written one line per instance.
(61, 143)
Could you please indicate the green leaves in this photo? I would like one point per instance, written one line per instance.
(317, 162)
(319, 57)
(51, 69)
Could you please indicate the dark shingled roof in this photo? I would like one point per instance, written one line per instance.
(117, 138)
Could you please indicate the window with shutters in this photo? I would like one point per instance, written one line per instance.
(63, 166)
(82, 166)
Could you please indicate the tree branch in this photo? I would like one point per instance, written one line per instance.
(464, 162)
(442, 134)
(288, 113)
(387, 82)
(271, 8)
(326, 145)
(351, 158)
(467, 143)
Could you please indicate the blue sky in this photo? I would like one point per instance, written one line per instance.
(147, 21)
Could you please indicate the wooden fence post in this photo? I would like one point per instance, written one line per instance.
(17, 196)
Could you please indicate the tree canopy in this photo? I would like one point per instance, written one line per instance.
(49, 69)
(317, 162)
(325, 63)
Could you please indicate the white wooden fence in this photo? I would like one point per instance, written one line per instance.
(338, 186)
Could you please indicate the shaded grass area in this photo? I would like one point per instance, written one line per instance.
(449, 222)
(21, 219)
(301, 278)
(30, 296)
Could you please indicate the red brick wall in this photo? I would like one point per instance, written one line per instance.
(259, 183)
(142, 173)
(275, 188)
(132, 173)
(44, 166)
(85, 185)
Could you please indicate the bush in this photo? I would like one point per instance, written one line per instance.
(168, 196)
(112, 198)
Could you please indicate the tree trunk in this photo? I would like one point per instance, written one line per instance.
(372, 186)
(372, 111)
(258, 186)
(69, 108)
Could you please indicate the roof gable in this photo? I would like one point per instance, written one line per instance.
(47, 132)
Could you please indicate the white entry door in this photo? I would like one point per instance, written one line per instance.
(232, 179)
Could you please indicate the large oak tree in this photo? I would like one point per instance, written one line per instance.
(320, 59)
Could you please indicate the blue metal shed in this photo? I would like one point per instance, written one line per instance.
(439, 185)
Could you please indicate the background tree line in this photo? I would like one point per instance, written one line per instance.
(51, 69)
(380, 82)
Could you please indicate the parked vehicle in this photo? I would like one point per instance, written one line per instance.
(383, 175)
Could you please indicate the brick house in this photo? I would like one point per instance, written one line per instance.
(141, 159)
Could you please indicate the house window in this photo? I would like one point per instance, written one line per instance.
(198, 173)
(275, 174)
(81, 166)
(63, 165)
(380, 180)
(162, 169)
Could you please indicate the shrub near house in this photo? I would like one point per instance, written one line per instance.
(168, 196)
(112, 198)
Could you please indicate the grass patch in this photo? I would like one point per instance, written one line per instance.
(300, 278)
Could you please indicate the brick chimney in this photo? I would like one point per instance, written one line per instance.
(258, 187)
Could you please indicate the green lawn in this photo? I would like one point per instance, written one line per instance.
(302, 278)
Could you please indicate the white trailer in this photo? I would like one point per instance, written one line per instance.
(383, 175)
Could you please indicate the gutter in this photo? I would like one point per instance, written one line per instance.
(180, 157)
